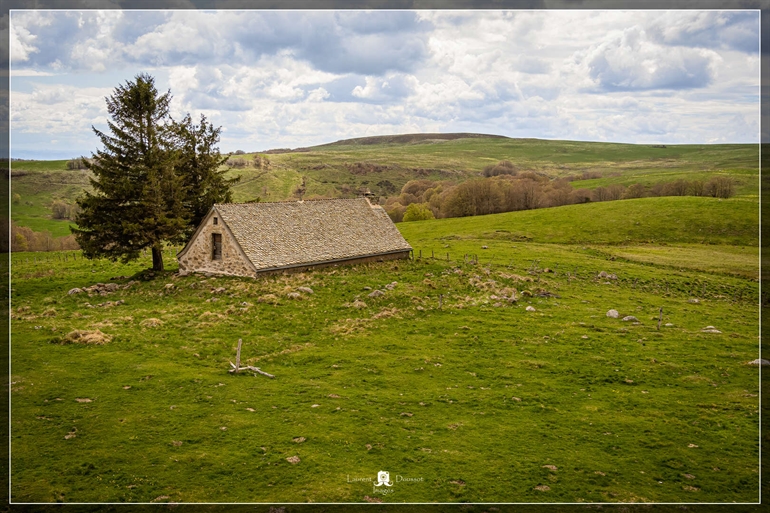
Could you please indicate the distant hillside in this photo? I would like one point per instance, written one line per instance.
(384, 164)
(408, 139)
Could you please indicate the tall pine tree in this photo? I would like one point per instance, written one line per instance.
(151, 180)
(198, 164)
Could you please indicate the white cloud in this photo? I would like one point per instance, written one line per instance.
(629, 60)
(307, 77)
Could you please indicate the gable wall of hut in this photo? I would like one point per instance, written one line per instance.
(198, 257)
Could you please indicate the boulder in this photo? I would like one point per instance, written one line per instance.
(613, 313)
(74, 291)
(306, 290)
(530, 308)
(630, 318)
(376, 293)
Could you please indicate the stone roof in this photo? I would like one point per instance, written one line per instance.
(291, 233)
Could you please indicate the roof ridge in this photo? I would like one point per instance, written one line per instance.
(284, 202)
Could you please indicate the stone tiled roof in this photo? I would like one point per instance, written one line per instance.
(285, 234)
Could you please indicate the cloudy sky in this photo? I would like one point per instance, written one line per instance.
(276, 79)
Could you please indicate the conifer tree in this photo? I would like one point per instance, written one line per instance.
(151, 180)
(198, 164)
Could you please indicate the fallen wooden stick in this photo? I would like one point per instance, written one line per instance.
(249, 367)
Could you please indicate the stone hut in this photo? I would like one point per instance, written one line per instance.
(247, 239)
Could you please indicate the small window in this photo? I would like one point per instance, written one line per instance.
(216, 246)
(216, 221)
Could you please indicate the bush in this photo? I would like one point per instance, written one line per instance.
(504, 167)
(239, 152)
(60, 210)
(78, 163)
(418, 212)
(237, 162)
(720, 187)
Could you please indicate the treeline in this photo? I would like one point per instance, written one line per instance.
(26, 239)
(503, 188)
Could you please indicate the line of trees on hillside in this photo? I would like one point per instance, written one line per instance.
(505, 189)
(26, 239)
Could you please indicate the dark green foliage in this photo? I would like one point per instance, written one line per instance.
(198, 163)
(153, 181)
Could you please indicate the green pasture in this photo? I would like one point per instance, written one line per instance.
(442, 379)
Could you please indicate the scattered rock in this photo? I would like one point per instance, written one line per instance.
(599, 472)
(630, 318)
(406, 414)
(613, 313)
(294, 295)
(391, 286)
(551, 467)
(176, 443)
(376, 293)
(668, 324)
(689, 476)
(760, 361)
(691, 446)
(584, 336)
(223, 428)
(315, 406)
(71, 434)
(710, 329)
(293, 460)
(542, 488)
(602, 274)
(83, 400)
(74, 291)
(358, 305)
(298, 440)
(306, 290)
(530, 308)
(169, 286)
(517, 399)
(693, 301)
(219, 290)
(458, 482)
(333, 396)
(484, 247)
(367, 288)
(268, 298)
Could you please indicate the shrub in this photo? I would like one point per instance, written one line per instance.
(720, 187)
(78, 163)
(504, 167)
(418, 212)
(635, 191)
(237, 162)
(60, 210)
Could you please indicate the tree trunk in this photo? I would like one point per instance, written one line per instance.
(157, 258)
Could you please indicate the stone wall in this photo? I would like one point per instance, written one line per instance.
(198, 255)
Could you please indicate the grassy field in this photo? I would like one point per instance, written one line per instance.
(385, 164)
(440, 379)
